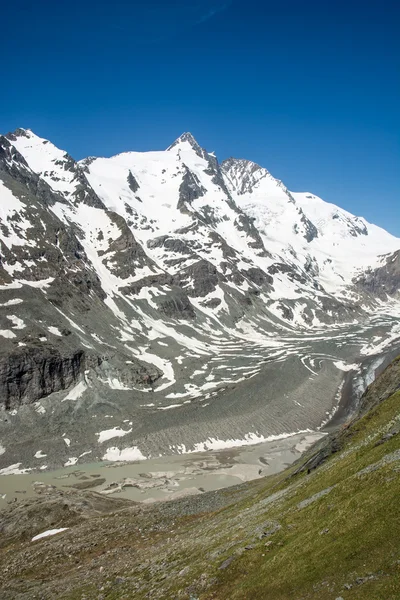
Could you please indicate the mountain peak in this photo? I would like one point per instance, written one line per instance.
(22, 131)
(19, 132)
(26, 136)
(187, 137)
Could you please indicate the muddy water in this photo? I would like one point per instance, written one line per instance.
(168, 476)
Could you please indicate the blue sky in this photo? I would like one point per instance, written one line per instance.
(310, 90)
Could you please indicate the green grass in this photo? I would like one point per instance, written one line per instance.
(344, 544)
(361, 514)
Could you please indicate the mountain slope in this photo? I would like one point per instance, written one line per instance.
(320, 529)
(303, 227)
(163, 288)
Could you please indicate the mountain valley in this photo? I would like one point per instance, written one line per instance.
(164, 303)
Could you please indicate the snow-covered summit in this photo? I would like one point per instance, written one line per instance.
(188, 140)
(55, 166)
(183, 208)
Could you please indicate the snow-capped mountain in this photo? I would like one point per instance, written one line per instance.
(169, 272)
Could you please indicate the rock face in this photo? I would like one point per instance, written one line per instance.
(31, 373)
(147, 282)
(384, 280)
(190, 189)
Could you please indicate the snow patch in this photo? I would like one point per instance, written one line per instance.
(342, 366)
(48, 533)
(16, 321)
(54, 330)
(12, 302)
(108, 434)
(7, 333)
(76, 391)
(126, 454)
(39, 454)
(14, 470)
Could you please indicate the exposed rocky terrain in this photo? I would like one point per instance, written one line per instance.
(327, 527)
(163, 302)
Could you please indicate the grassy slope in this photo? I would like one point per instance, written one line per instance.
(351, 532)
(345, 543)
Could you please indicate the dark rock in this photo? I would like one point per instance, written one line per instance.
(203, 276)
(132, 182)
(30, 373)
(190, 189)
(310, 231)
(245, 223)
(175, 305)
(258, 276)
(173, 244)
(383, 281)
(227, 562)
(267, 529)
(212, 303)
(124, 254)
(84, 485)
(247, 171)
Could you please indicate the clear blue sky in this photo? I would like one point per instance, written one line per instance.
(308, 89)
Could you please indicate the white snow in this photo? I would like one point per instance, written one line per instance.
(48, 533)
(85, 453)
(46, 160)
(40, 284)
(108, 434)
(54, 330)
(76, 391)
(39, 454)
(71, 461)
(342, 366)
(115, 384)
(14, 470)
(162, 363)
(16, 321)
(249, 439)
(372, 347)
(126, 454)
(13, 220)
(12, 302)
(39, 408)
(7, 333)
